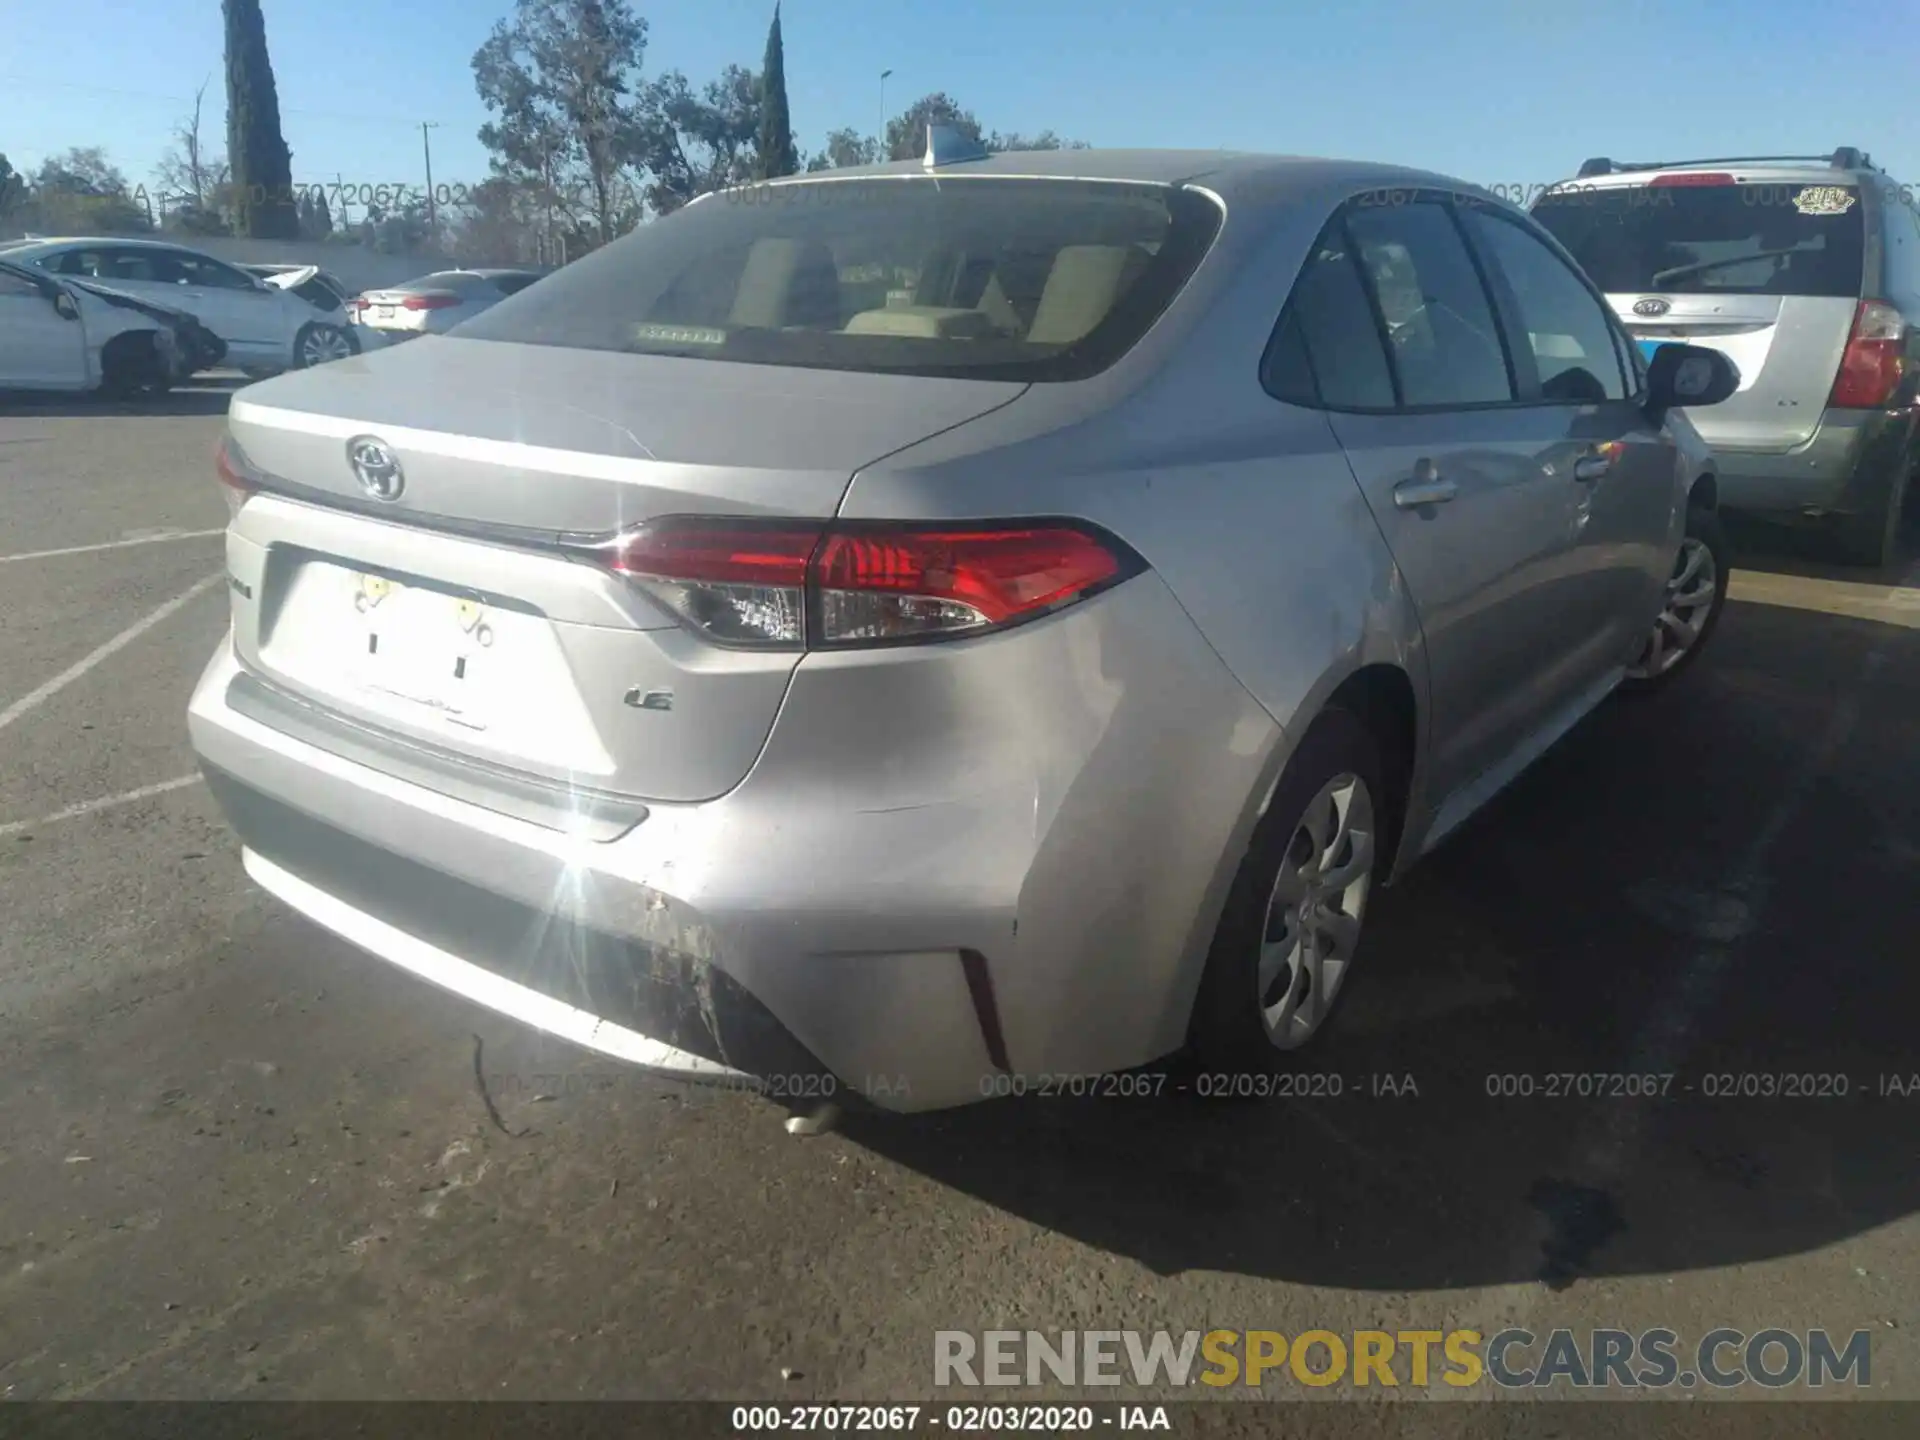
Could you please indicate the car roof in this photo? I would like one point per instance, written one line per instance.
(1234, 175)
(134, 241)
(1743, 172)
(1837, 169)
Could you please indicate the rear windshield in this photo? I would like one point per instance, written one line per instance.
(1757, 239)
(982, 278)
(462, 282)
(326, 294)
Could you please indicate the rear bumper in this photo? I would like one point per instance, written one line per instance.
(951, 863)
(1846, 470)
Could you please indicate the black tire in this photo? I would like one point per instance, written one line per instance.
(1874, 540)
(1227, 1035)
(1702, 525)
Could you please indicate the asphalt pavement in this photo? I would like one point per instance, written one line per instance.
(240, 1159)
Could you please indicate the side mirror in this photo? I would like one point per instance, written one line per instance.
(1683, 377)
(66, 306)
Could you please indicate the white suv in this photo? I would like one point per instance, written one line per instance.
(267, 327)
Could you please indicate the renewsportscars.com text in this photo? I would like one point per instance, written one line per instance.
(1774, 1358)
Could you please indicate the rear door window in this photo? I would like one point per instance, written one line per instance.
(1445, 343)
(1712, 239)
(207, 273)
(154, 267)
(1327, 350)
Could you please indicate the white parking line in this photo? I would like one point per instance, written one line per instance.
(114, 544)
(88, 807)
(86, 662)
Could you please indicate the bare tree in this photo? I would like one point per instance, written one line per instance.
(192, 179)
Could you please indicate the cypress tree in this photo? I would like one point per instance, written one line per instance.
(777, 153)
(262, 167)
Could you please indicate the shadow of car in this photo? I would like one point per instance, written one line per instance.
(1736, 944)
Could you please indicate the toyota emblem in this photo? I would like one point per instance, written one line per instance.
(376, 467)
(1652, 307)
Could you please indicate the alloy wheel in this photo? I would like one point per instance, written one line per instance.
(323, 343)
(1684, 609)
(1314, 913)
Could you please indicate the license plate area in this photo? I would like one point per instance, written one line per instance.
(427, 647)
(383, 312)
(428, 659)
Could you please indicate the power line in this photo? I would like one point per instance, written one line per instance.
(188, 100)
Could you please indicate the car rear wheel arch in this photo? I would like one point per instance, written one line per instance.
(1704, 492)
(1224, 1022)
(130, 364)
(1381, 697)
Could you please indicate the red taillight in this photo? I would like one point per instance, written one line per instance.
(884, 585)
(1872, 366)
(236, 476)
(789, 585)
(739, 583)
(429, 302)
(356, 305)
(1691, 177)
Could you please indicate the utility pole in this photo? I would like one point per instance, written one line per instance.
(882, 137)
(426, 148)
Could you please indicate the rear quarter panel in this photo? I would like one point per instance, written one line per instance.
(1245, 507)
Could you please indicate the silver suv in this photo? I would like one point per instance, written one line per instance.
(1805, 271)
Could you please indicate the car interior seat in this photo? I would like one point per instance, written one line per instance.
(788, 284)
(1085, 283)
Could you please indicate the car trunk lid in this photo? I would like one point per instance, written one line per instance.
(462, 614)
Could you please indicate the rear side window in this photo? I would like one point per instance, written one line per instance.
(513, 284)
(318, 293)
(1327, 350)
(1445, 342)
(460, 282)
(1755, 239)
(1572, 339)
(970, 276)
(190, 269)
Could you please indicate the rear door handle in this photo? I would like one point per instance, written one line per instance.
(1589, 468)
(1425, 488)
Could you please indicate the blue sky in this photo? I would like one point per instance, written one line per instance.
(1496, 91)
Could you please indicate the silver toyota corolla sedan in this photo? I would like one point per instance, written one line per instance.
(897, 632)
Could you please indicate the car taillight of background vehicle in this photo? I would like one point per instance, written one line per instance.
(792, 585)
(236, 476)
(356, 307)
(1872, 366)
(1690, 179)
(429, 302)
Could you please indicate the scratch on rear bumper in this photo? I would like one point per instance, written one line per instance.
(496, 992)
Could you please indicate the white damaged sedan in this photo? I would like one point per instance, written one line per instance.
(57, 336)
